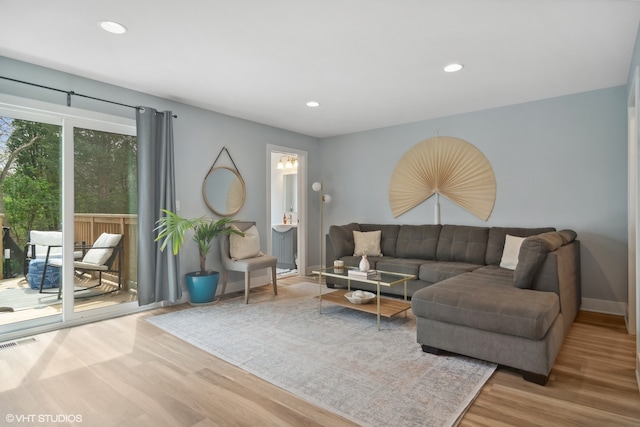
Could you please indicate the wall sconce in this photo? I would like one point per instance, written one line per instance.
(324, 198)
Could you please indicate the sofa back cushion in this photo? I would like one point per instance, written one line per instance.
(534, 250)
(463, 243)
(388, 239)
(497, 236)
(418, 241)
(341, 237)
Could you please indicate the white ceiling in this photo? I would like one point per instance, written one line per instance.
(370, 63)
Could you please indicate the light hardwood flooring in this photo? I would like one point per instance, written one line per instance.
(127, 372)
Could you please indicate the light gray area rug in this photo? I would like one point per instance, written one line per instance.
(338, 359)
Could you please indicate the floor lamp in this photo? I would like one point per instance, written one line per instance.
(324, 198)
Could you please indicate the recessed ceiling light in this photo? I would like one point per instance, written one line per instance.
(112, 27)
(452, 68)
(313, 104)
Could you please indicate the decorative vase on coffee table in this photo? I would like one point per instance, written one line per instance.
(364, 263)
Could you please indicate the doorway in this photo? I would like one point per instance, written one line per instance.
(286, 209)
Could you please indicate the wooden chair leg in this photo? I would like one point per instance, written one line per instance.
(225, 275)
(247, 280)
(273, 280)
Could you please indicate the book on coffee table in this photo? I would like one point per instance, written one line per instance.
(362, 274)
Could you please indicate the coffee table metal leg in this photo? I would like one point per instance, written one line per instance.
(405, 296)
(320, 291)
(378, 302)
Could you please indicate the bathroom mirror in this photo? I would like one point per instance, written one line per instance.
(223, 191)
(290, 191)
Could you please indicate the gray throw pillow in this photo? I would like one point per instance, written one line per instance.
(341, 237)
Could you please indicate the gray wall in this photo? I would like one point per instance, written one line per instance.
(558, 162)
(199, 135)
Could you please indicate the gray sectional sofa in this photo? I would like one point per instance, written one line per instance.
(465, 302)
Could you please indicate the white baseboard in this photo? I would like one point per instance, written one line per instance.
(604, 306)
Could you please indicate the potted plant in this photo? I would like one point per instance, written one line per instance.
(172, 229)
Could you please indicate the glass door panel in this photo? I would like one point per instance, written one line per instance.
(105, 218)
(30, 211)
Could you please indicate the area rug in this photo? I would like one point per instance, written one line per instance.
(337, 360)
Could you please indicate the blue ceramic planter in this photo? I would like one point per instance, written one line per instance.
(202, 286)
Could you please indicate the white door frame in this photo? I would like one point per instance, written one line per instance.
(633, 297)
(303, 228)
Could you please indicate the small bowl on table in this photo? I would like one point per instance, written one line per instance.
(360, 297)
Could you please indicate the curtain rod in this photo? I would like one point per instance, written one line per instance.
(72, 93)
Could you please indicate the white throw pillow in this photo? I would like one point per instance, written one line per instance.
(245, 247)
(367, 243)
(510, 253)
(105, 244)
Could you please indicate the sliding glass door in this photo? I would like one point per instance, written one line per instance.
(68, 205)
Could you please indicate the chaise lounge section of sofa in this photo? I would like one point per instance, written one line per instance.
(469, 298)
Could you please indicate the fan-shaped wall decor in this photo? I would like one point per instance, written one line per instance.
(447, 166)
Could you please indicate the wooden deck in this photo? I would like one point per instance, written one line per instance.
(27, 303)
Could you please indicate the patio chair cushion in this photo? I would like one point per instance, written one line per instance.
(103, 249)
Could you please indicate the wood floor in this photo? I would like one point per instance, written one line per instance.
(126, 372)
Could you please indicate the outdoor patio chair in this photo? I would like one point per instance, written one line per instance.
(246, 265)
(104, 256)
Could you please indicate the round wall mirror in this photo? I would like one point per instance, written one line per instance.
(223, 191)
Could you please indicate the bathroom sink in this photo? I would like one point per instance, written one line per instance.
(281, 228)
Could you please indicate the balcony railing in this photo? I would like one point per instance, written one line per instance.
(87, 228)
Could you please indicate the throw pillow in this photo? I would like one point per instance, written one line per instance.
(367, 243)
(511, 251)
(103, 249)
(245, 247)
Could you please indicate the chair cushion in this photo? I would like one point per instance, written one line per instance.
(247, 246)
(104, 246)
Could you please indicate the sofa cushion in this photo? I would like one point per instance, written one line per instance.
(462, 243)
(367, 243)
(388, 238)
(437, 271)
(418, 241)
(400, 265)
(495, 244)
(495, 271)
(341, 237)
(534, 250)
(488, 303)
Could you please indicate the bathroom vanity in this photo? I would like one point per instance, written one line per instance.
(284, 241)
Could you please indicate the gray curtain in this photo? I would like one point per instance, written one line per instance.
(157, 271)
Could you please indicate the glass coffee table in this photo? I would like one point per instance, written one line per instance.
(385, 307)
